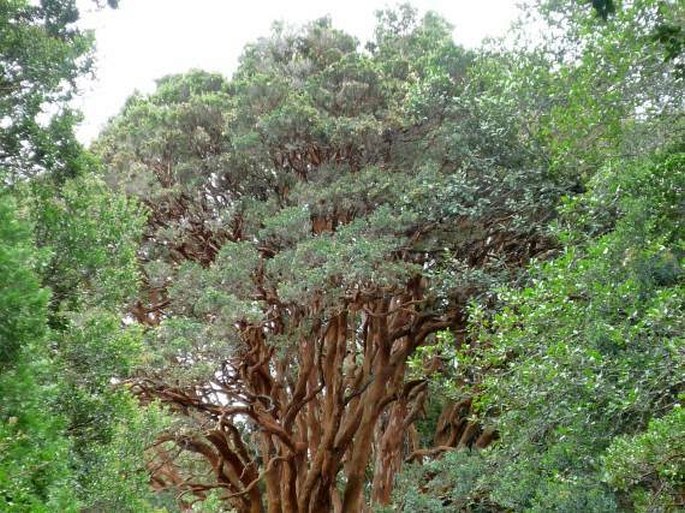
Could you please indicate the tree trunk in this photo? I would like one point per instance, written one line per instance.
(389, 453)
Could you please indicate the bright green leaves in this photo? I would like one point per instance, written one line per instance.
(34, 455)
(592, 349)
(63, 378)
(95, 350)
(22, 301)
(70, 439)
(112, 472)
(34, 475)
(650, 466)
(92, 235)
(590, 353)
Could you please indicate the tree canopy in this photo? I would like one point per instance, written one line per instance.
(69, 440)
(403, 276)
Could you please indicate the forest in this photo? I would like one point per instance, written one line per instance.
(353, 277)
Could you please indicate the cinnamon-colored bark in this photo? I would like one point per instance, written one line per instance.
(314, 431)
(298, 425)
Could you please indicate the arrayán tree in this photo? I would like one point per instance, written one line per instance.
(314, 221)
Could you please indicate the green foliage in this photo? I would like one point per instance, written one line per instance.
(319, 181)
(212, 504)
(90, 237)
(670, 34)
(42, 54)
(576, 363)
(22, 302)
(650, 466)
(93, 236)
(112, 438)
(580, 368)
(588, 91)
(321, 171)
(70, 440)
(451, 483)
(591, 351)
(34, 473)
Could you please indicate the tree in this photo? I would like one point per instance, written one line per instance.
(43, 54)
(593, 350)
(69, 439)
(577, 366)
(314, 221)
(34, 475)
(91, 236)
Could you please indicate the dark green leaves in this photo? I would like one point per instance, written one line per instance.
(41, 55)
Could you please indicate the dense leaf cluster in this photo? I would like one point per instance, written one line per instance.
(69, 440)
(403, 277)
(580, 369)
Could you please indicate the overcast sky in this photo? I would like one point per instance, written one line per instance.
(143, 40)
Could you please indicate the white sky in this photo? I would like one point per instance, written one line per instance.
(144, 40)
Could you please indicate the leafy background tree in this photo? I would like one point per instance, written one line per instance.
(43, 54)
(574, 366)
(69, 439)
(580, 370)
(34, 474)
